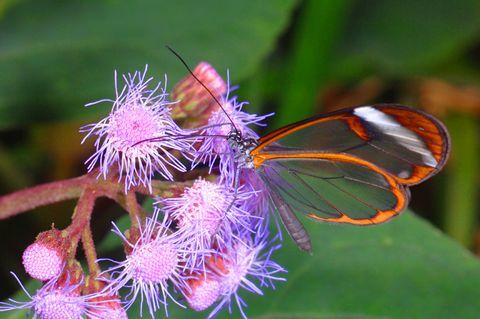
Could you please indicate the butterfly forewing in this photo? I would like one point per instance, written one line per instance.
(403, 142)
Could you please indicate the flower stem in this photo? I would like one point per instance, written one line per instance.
(41, 195)
(81, 217)
(90, 251)
(133, 208)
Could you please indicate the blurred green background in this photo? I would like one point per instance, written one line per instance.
(296, 58)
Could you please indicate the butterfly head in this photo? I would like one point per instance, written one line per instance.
(241, 148)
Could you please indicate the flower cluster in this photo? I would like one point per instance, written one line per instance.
(208, 236)
(67, 296)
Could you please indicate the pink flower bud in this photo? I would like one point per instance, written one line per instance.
(195, 102)
(105, 303)
(45, 258)
(203, 292)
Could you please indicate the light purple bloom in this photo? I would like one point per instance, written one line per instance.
(138, 135)
(258, 204)
(52, 301)
(246, 264)
(207, 214)
(156, 261)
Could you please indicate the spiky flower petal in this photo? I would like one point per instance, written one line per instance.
(154, 261)
(59, 298)
(208, 214)
(139, 135)
(246, 264)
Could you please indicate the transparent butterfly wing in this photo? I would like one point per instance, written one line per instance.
(346, 190)
(406, 143)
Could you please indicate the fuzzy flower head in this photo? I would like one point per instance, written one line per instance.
(59, 298)
(153, 261)
(215, 145)
(246, 264)
(207, 213)
(138, 136)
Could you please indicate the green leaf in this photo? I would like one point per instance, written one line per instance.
(401, 37)
(402, 269)
(112, 241)
(56, 56)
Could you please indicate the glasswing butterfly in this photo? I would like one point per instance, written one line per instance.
(351, 166)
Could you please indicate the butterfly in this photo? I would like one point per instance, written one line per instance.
(352, 166)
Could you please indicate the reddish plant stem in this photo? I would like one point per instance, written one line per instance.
(81, 217)
(159, 188)
(45, 194)
(41, 195)
(133, 209)
(90, 252)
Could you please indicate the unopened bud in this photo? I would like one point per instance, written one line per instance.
(204, 291)
(72, 276)
(45, 258)
(195, 102)
(105, 304)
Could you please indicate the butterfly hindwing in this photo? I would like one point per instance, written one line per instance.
(335, 188)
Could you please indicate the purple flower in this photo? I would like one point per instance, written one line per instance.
(156, 260)
(58, 300)
(207, 214)
(245, 264)
(258, 204)
(215, 145)
(138, 135)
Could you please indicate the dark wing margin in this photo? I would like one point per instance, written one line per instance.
(408, 144)
(335, 188)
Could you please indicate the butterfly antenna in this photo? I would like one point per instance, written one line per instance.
(202, 84)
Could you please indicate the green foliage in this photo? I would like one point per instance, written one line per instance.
(413, 36)
(56, 56)
(321, 26)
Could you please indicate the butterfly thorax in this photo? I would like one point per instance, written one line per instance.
(241, 148)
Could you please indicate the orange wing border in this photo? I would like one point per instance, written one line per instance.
(428, 128)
